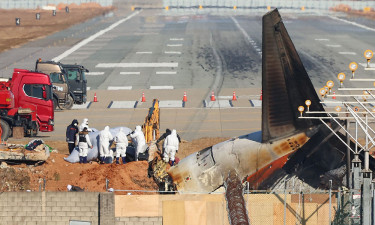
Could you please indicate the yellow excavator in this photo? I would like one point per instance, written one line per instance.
(152, 122)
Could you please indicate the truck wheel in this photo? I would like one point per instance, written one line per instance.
(34, 132)
(5, 130)
(69, 103)
(55, 103)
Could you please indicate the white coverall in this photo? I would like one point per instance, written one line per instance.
(84, 146)
(85, 123)
(171, 144)
(121, 144)
(140, 141)
(104, 137)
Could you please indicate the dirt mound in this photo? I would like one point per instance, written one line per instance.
(367, 12)
(30, 28)
(56, 173)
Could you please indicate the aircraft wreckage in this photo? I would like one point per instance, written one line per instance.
(286, 146)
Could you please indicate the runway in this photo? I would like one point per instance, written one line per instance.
(165, 53)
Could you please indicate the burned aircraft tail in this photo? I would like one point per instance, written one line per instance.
(285, 83)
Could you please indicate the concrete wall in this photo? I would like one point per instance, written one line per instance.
(48, 208)
(59, 208)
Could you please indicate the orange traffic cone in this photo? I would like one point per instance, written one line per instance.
(334, 95)
(234, 96)
(261, 95)
(143, 97)
(95, 98)
(184, 99)
(213, 96)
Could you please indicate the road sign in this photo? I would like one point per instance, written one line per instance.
(18, 21)
(37, 16)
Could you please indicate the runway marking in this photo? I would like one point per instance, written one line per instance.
(218, 104)
(321, 39)
(352, 23)
(174, 45)
(135, 65)
(93, 37)
(171, 104)
(247, 37)
(123, 104)
(161, 87)
(334, 46)
(176, 39)
(143, 53)
(119, 87)
(347, 53)
(256, 103)
(94, 73)
(83, 106)
(166, 72)
(173, 53)
(130, 73)
(88, 88)
(372, 65)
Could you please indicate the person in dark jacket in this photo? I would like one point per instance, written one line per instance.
(71, 132)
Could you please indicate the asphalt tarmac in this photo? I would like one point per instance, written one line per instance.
(165, 54)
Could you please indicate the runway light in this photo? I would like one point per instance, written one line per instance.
(338, 108)
(167, 8)
(368, 55)
(234, 7)
(322, 92)
(308, 103)
(326, 88)
(356, 109)
(366, 95)
(341, 77)
(330, 85)
(301, 109)
(353, 66)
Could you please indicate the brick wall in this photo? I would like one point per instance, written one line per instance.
(48, 208)
(139, 220)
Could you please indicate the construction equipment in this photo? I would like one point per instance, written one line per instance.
(152, 122)
(26, 104)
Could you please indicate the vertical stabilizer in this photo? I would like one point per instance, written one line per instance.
(285, 83)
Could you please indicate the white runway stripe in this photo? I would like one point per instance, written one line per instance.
(119, 87)
(122, 104)
(143, 53)
(93, 37)
(161, 87)
(94, 73)
(171, 104)
(174, 45)
(130, 73)
(135, 65)
(321, 39)
(178, 53)
(347, 53)
(176, 39)
(166, 72)
(334, 46)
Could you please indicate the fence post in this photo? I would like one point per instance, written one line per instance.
(284, 202)
(330, 202)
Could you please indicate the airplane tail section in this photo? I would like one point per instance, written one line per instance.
(285, 83)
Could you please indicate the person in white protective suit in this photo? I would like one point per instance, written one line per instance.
(104, 137)
(139, 137)
(121, 143)
(83, 144)
(85, 123)
(171, 144)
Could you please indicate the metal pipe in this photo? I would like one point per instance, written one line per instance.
(347, 125)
